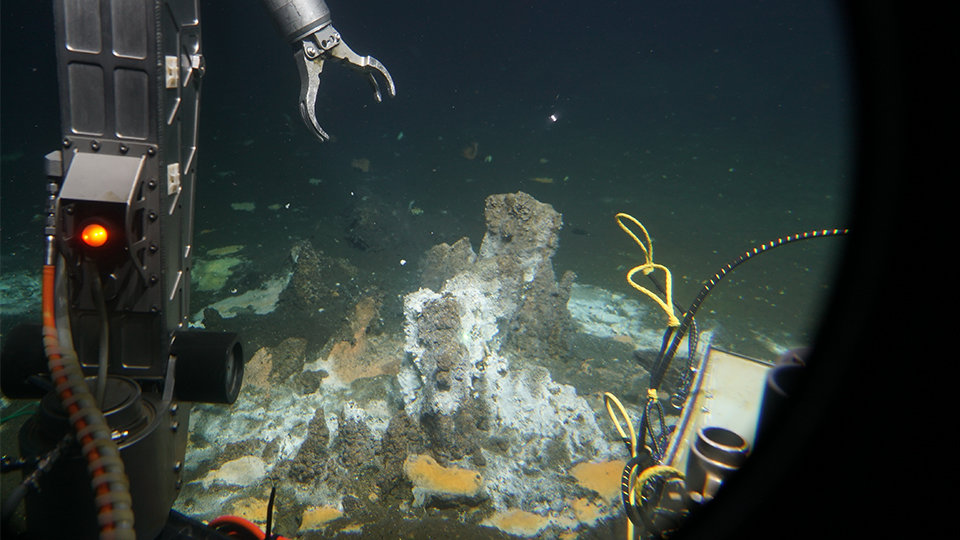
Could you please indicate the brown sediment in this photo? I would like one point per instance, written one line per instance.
(358, 356)
(470, 151)
(361, 164)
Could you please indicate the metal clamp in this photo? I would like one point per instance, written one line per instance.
(314, 50)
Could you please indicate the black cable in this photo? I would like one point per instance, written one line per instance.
(656, 438)
(103, 350)
(32, 480)
(663, 344)
(273, 493)
(680, 394)
(639, 519)
(663, 361)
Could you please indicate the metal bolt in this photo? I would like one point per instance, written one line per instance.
(95, 146)
(153, 248)
(123, 149)
(152, 216)
(66, 143)
(151, 151)
(152, 184)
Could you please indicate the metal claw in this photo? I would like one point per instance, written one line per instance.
(364, 64)
(310, 56)
(310, 69)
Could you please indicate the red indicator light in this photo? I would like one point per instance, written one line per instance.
(94, 235)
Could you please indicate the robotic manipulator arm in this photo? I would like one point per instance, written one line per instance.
(115, 354)
(307, 25)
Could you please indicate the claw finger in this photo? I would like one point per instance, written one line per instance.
(309, 85)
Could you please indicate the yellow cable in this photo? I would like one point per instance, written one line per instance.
(647, 254)
(636, 482)
(647, 267)
(666, 304)
(607, 399)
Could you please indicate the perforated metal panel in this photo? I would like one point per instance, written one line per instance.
(129, 77)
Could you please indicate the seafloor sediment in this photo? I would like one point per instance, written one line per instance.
(484, 408)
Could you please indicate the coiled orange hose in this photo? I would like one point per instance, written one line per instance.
(114, 511)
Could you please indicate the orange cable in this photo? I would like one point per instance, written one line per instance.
(58, 375)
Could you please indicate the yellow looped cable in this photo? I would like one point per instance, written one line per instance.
(607, 399)
(647, 252)
(647, 267)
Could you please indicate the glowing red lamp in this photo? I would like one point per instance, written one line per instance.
(94, 235)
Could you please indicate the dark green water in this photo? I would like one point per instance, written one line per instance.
(719, 126)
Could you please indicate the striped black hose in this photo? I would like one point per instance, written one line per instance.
(664, 359)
